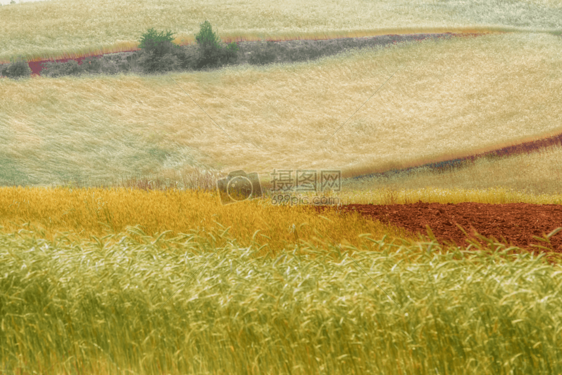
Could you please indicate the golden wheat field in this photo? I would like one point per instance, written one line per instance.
(101, 212)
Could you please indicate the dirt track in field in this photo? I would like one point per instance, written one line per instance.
(514, 223)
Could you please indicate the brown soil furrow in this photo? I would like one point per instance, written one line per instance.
(517, 149)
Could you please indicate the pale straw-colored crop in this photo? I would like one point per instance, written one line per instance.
(537, 174)
(446, 99)
(390, 194)
(73, 27)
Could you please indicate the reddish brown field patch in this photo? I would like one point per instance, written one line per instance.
(514, 223)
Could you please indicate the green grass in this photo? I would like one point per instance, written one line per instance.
(184, 306)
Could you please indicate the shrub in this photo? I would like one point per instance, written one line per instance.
(297, 54)
(230, 53)
(156, 42)
(124, 66)
(109, 66)
(18, 68)
(208, 57)
(90, 65)
(206, 36)
(211, 53)
(158, 64)
(158, 54)
(187, 58)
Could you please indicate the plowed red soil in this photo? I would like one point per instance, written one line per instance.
(513, 224)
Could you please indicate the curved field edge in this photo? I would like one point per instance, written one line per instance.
(537, 173)
(79, 27)
(247, 48)
(144, 305)
(547, 148)
(132, 46)
(442, 165)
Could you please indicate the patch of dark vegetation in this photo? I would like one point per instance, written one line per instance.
(292, 51)
(158, 54)
(211, 52)
(16, 69)
(109, 64)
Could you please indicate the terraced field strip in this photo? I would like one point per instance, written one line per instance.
(519, 224)
(452, 99)
(76, 27)
(36, 64)
(523, 148)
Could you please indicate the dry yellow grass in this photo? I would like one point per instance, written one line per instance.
(535, 173)
(85, 212)
(396, 194)
(59, 27)
(448, 99)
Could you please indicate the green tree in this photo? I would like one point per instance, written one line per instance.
(158, 51)
(207, 36)
(157, 42)
(211, 53)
